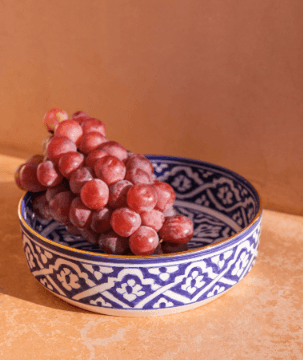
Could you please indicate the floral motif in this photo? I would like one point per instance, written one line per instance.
(100, 301)
(130, 290)
(225, 195)
(68, 279)
(181, 183)
(241, 264)
(202, 200)
(216, 290)
(29, 258)
(46, 283)
(238, 218)
(163, 272)
(162, 303)
(159, 167)
(193, 282)
(45, 255)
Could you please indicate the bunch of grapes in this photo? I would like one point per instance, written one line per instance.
(100, 191)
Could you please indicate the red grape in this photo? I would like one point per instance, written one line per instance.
(138, 176)
(59, 145)
(93, 156)
(101, 220)
(169, 248)
(144, 241)
(17, 176)
(52, 191)
(112, 243)
(79, 177)
(79, 214)
(80, 114)
(125, 221)
(73, 230)
(177, 229)
(117, 194)
(93, 124)
(166, 195)
(41, 207)
(139, 161)
(142, 197)
(113, 148)
(28, 178)
(169, 212)
(153, 218)
(48, 174)
(110, 169)
(69, 162)
(53, 117)
(90, 236)
(94, 194)
(60, 206)
(91, 141)
(71, 129)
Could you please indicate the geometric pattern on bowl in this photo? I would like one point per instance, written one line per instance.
(226, 213)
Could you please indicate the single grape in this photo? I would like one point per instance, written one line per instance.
(93, 156)
(28, 178)
(79, 177)
(59, 145)
(169, 212)
(60, 206)
(153, 218)
(125, 221)
(110, 169)
(94, 194)
(168, 248)
(48, 174)
(52, 191)
(17, 176)
(90, 236)
(138, 176)
(91, 141)
(139, 161)
(53, 117)
(69, 162)
(79, 214)
(73, 230)
(79, 114)
(142, 197)
(166, 196)
(113, 148)
(144, 241)
(112, 243)
(71, 129)
(118, 193)
(177, 229)
(93, 124)
(101, 220)
(41, 207)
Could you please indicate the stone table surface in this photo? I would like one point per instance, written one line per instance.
(260, 318)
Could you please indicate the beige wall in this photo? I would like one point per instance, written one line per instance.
(220, 81)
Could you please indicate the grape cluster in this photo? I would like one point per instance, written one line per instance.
(100, 191)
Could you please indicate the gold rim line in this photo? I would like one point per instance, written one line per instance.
(124, 257)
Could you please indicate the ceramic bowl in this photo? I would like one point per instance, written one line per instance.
(226, 212)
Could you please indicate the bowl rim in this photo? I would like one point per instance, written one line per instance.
(190, 251)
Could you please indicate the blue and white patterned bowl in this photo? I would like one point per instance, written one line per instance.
(226, 212)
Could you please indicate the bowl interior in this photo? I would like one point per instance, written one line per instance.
(218, 201)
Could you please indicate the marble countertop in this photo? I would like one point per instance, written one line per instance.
(262, 317)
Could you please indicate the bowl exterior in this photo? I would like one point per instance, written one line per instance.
(138, 286)
(153, 285)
